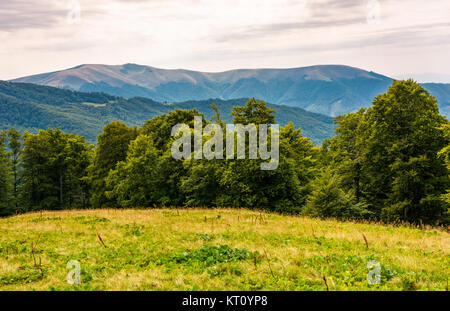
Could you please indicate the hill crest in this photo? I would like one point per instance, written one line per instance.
(326, 89)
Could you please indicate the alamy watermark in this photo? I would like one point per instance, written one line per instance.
(374, 275)
(74, 14)
(373, 12)
(212, 147)
(74, 275)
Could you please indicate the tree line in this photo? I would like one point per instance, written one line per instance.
(389, 162)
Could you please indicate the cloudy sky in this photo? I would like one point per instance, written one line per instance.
(392, 37)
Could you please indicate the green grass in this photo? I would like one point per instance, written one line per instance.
(169, 249)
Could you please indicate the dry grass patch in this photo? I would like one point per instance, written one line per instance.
(135, 250)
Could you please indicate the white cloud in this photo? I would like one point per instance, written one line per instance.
(213, 35)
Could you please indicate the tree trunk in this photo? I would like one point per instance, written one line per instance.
(15, 186)
(61, 187)
(356, 181)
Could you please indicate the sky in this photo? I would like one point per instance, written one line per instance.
(391, 37)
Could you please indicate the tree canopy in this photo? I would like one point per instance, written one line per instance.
(389, 162)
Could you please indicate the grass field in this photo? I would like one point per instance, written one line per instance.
(168, 249)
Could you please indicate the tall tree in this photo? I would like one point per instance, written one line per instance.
(5, 182)
(201, 182)
(388, 155)
(159, 128)
(134, 182)
(52, 178)
(445, 155)
(112, 147)
(254, 111)
(406, 175)
(15, 146)
(283, 189)
(348, 149)
(171, 171)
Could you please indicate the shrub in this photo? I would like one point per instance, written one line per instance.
(211, 255)
(328, 199)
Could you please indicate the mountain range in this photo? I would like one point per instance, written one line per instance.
(327, 89)
(32, 107)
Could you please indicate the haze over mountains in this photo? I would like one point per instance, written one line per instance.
(327, 89)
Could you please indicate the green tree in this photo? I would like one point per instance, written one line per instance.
(201, 182)
(406, 176)
(112, 148)
(445, 155)
(159, 128)
(254, 112)
(348, 149)
(15, 146)
(284, 189)
(134, 182)
(171, 171)
(5, 181)
(54, 165)
(329, 199)
(388, 155)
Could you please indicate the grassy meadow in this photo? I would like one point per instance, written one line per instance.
(215, 249)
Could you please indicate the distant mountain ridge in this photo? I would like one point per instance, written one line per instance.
(327, 89)
(32, 107)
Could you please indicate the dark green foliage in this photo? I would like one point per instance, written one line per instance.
(112, 148)
(150, 176)
(91, 220)
(242, 183)
(23, 276)
(170, 171)
(254, 112)
(390, 157)
(402, 155)
(15, 146)
(209, 255)
(389, 162)
(10, 174)
(201, 185)
(32, 107)
(159, 128)
(284, 189)
(54, 164)
(316, 127)
(134, 181)
(5, 181)
(328, 199)
(445, 155)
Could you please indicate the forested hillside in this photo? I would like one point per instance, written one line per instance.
(31, 107)
(389, 162)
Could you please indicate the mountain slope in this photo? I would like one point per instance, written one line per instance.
(31, 107)
(325, 89)
(442, 94)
